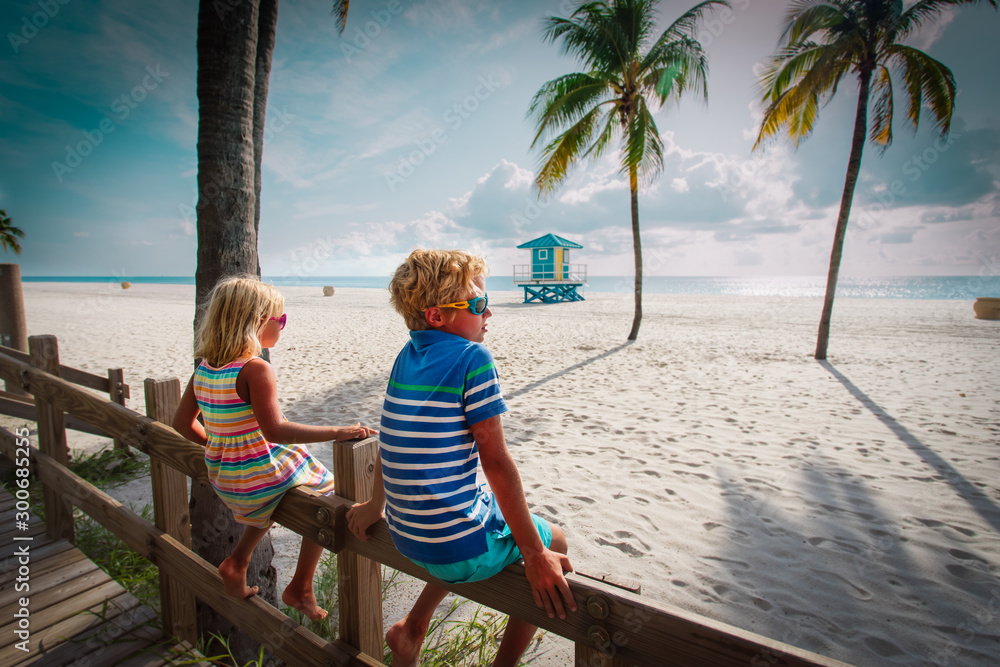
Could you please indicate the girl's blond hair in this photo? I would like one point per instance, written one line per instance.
(431, 277)
(229, 325)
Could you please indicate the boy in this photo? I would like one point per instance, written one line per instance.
(440, 420)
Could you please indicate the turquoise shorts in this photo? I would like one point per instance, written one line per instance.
(501, 552)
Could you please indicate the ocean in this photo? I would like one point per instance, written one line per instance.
(914, 287)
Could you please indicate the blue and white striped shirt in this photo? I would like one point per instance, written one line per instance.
(440, 385)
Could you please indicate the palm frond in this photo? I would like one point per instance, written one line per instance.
(686, 24)
(925, 11)
(588, 36)
(340, 8)
(881, 123)
(805, 18)
(609, 132)
(565, 100)
(563, 151)
(643, 146)
(675, 68)
(925, 78)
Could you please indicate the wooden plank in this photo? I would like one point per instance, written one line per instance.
(121, 635)
(93, 596)
(359, 579)
(288, 640)
(591, 657)
(83, 378)
(62, 587)
(170, 507)
(23, 357)
(90, 632)
(116, 393)
(44, 562)
(13, 534)
(53, 580)
(44, 353)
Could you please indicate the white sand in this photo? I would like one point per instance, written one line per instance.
(850, 508)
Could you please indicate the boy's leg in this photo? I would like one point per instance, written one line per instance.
(233, 570)
(299, 592)
(518, 633)
(407, 636)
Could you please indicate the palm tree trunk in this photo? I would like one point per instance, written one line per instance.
(227, 245)
(266, 27)
(853, 170)
(637, 247)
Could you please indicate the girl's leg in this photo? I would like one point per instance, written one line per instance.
(299, 592)
(407, 636)
(518, 633)
(233, 570)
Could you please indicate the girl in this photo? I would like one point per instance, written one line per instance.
(249, 452)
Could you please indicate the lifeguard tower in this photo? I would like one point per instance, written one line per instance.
(550, 278)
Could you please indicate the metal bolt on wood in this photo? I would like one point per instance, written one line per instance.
(323, 515)
(598, 636)
(598, 607)
(324, 537)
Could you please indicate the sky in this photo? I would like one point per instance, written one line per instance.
(410, 129)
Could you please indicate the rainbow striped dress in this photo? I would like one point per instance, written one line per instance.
(249, 473)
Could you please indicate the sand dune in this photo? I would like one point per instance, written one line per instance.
(850, 507)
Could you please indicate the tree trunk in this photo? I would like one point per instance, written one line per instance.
(637, 247)
(227, 245)
(853, 170)
(266, 27)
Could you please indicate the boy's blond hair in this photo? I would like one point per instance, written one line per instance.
(431, 277)
(232, 317)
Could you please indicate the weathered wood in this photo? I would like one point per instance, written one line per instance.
(44, 353)
(359, 579)
(116, 392)
(74, 375)
(170, 509)
(591, 657)
(12, 407)
(286, 638)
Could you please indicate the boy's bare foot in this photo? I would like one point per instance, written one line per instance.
(234, 579)
(304, 601)
(405, 641)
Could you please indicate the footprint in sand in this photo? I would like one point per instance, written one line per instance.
(965, 555)
(883, 647)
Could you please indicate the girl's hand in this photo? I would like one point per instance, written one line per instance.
(355, 432)
(361, 516)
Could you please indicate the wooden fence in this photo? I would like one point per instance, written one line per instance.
(612, 628)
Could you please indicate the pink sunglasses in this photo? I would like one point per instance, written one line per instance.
(281, 320)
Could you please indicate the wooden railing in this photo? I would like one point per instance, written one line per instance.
(612, 628)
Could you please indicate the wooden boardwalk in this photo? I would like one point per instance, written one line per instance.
(77, 614)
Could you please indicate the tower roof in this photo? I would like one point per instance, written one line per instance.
(550, 241)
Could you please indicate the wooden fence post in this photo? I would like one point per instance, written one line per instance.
(170, 508)
(44, 355)
(116, 392)
(359, 580)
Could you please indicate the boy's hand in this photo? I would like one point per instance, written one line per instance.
(361, 517)
(550, 588)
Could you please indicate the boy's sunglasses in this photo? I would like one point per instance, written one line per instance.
(281, 320)
(477, 305)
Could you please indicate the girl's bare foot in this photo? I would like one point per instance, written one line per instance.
(405, 641)
(234, 579)
(304, 601)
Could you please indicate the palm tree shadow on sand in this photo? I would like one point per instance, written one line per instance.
(969, 492)
(552, 376)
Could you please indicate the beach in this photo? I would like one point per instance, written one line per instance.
(849, 507)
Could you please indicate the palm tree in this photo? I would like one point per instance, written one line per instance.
(9, 234)
(824, 41)
(235, 45)
(630, 73)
